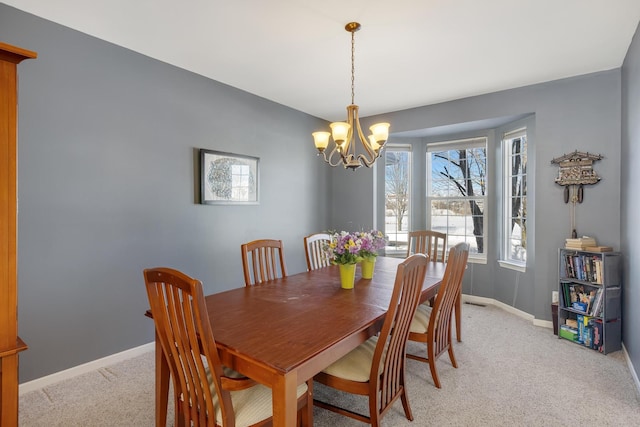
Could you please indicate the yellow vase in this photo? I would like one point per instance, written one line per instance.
(347, 275)
(368, 264)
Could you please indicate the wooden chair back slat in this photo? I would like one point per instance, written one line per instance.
(428, 242)
(314, 250)
(262, 261)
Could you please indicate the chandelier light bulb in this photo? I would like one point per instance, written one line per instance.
(340, 130)
(380, 132)
(321, 139)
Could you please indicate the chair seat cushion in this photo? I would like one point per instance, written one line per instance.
(250, 405)
(355, 365)
(420, 321)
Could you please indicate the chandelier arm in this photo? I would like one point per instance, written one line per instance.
(365, 143)
(340, 158)
(368, 163)
(349, 146)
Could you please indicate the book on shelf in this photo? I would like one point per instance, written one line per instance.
(597, 341)
(572, 323)
(568, 266)
(580, 243)
(590, 298)
(597, 311)
(583, 322)
(597, 302)
(568, 332)
(588, 335)
(570, 294)
(585, 267)
(598, 248)
(566, 299)
(598, 265)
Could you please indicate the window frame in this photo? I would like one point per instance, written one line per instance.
(506, 236)
(457, 144)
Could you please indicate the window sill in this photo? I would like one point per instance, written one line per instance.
(513, 266)
(475, 260)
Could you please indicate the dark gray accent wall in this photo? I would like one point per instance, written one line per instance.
(108, 186)
(576, 113)
(630, 202)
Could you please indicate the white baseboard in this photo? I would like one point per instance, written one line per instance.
(490, 301)
(543, 323)
(634, 374)
(84, 368)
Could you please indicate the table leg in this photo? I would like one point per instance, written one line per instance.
(285, 402)
(162, 386)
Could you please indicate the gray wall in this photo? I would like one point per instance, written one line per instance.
(108, 186)
(577, 113)
(630, 203)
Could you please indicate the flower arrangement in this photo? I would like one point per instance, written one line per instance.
(372, 241)
(344, 248)
(351, 248)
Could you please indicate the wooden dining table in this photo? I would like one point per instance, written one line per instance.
(283, 332)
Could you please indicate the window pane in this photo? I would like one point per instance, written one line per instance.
(456, 189)
(515, 197)
(397, 199)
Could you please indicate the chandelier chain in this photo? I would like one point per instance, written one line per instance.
(353, 68)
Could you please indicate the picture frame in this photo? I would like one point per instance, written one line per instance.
(228, 179)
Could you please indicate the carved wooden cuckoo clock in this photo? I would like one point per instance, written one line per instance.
(574, 171)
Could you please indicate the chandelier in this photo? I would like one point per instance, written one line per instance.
(346, 134)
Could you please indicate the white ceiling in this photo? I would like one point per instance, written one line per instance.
(408, 53)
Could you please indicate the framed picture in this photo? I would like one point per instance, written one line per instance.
(227, 178)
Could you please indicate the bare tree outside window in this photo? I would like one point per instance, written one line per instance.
(397, 185)
(516, 196)
(397, 197)
(457, 192)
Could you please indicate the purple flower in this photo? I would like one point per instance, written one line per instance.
(350, 248)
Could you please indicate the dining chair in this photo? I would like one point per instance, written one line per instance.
(376, 368)
(428, 242)
(432, 324)
(314, 250)
(262, 261)
(206, 393)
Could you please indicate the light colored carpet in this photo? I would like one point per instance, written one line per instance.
(510, 373)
